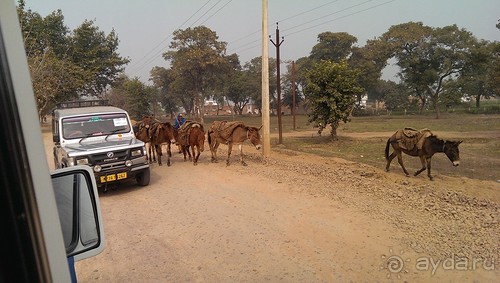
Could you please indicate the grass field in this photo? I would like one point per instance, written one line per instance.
(480, 155)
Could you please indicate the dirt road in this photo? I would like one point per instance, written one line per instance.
(296, 218)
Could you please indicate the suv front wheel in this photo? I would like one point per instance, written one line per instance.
(143, 178)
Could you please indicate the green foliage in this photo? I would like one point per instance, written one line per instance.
(198, 60)
(253, 69)
(287, 88)
(242, 87)
(162, 78)
(430, 58)
(331, 92)
(333, 46)
(394, 95)
(370, 60)
(481, 78)
(96, 53)
(65, 65)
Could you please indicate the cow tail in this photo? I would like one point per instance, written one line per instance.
(387, 149)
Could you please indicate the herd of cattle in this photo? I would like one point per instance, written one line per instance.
(190, 138)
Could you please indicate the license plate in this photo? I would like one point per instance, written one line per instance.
(113, 177)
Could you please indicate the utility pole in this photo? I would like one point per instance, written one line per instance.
(278, 82)
(265, 86)
(293, 93)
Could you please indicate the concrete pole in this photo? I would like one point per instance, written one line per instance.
(266, 129)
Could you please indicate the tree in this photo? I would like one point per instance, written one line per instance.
(117, 96)
(370, 60)
(253, 69)
(240, 90)
(331, 91)
(287, 89)
(54, 76)
(96, 53)
(429, 57)
(139, 97)
(197, 59)
(482, 76)
(333, 46)
(162, 79)
(133, 96)
(395, 96)
(53, 80)
(66, 65)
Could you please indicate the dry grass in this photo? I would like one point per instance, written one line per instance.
(480, 156)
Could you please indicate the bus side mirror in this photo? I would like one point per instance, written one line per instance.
(77, 199)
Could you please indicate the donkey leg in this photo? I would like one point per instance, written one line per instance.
(158, 153)
(195, 155)
(240, 147)
(149, 152)
(389, 160)
(189, 152)
(429, 169)
(153, 149)
(422, 160)
(229, 149)
(213, 149)
(183, 150)
(169, 153)
(400, 161)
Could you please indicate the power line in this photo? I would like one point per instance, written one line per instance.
(141, 66)
(305, 12)
(283, 20)
(304, 29)
(213, 6)
(216, 12)
(360, 11)
(328, 15)
(154, 57)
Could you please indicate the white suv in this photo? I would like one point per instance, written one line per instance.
(92, 133)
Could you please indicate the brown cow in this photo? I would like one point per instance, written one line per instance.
(232, 133)
(162, 133)
(425, 145)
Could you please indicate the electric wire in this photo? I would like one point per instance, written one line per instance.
(141, 66)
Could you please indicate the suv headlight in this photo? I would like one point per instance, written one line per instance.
(136, 152)
(82, 161)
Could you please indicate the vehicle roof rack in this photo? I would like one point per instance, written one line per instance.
(82, 103)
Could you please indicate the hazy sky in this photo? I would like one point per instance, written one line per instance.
(145, 27)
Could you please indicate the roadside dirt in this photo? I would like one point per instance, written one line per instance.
(296, 218)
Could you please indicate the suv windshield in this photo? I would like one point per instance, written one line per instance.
(94, 125)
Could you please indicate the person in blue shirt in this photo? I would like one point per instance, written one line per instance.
(179, 121)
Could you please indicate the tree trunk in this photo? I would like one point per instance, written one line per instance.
(478, 99)
(333, 133)
(435, 98)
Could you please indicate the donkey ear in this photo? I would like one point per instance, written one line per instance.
(259, 128)
(458, 142)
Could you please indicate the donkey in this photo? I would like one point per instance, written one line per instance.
(192, 136)
(232, 133)
(143, 132)
(425, 149)
(162, 133)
